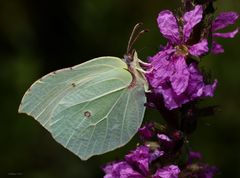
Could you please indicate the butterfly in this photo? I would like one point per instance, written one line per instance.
(94, 107)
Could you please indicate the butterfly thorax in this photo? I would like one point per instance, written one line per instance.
(138, 77)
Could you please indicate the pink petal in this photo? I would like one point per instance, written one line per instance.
(227, 35)
(169, 100)
(163, 137)
(191, 19)
(171, 171)
(179, 79)
(162, 67)
(196, 84)
(217, 48)
(168, 26)
(172, 101)
(199, 48)
(163, 55)
(210, 88)
(224, 19)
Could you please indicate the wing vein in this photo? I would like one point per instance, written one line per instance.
(82, 132)
(124, 116)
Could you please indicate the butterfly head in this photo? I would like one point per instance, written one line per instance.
(132, 60)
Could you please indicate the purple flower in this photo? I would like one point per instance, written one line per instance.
(155, 155)
(178, 36)
(135, 165)
(171, 171)
(178, 82)
(163, 137)
(146, 132)
(165, 141)
(120, 170)
(140, 158)
(223, 20)
(170, 75)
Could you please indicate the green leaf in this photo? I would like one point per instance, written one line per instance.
(91, 108)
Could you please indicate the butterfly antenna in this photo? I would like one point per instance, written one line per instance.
(136, 27)
(136, 38)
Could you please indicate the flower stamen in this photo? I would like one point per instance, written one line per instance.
(182, 50)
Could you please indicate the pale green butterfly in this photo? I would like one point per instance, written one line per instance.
(91, 108)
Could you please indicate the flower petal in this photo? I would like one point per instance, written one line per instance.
(163, 137)
(209, 89)
(191, 19)
(197, 88)
(139, 159)
(168, 26)
(179, 79)
(155, 155)
(146, 132)
(199, 48)
(224, 19)
(120, 170)
(161, 69)
(217, 48)
(171, 171)
(166, 142)
(196, 84)
(163, 55)
(227, 35)
(171, 100)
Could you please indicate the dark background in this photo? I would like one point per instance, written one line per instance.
(37, 37)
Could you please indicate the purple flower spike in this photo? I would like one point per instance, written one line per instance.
(171, 171)
(223, 20)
